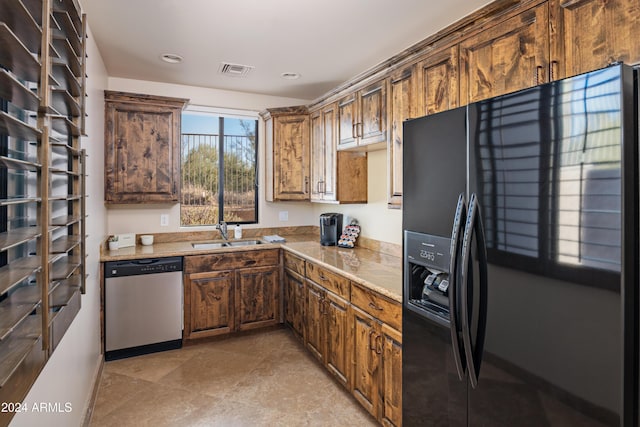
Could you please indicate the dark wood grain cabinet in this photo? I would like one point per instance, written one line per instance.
(591, 34)
(287, 153)
(336, 176)
(230, 292)
(209, 303)
(438, 81)
(142, 148)
(258, 297)
(362, 118)
(294, 293)
(403, 100)
(507, 57)
(329, 328)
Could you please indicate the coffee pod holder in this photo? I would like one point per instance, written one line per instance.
(349, 235)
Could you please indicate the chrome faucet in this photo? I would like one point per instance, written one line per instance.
(222, 226)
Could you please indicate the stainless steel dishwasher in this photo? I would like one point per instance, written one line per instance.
(142, 306)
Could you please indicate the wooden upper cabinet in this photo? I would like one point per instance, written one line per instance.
(507, 57)
(591, 34)
(142, 148)
(403, 105)
(287, 154)
(362, 118)
(336, 176)
(438, 81)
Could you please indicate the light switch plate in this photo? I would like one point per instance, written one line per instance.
(127, 240)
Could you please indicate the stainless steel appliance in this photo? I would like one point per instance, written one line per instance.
(520, 218)
(330, 228)
(142, 306)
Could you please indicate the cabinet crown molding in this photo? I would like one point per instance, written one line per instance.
(137, 98)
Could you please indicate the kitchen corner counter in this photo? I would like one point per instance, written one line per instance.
(380, 272)
(372, 269)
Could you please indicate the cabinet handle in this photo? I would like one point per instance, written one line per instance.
(306, 184)
(371, 346)
(375, 307)
(538, 72)
(360, 130)
(318, 187)
(553, 70)
(378, 344)
(354, 130)
(324, 188)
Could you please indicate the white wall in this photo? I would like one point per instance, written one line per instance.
(375, 219)
(69, 374)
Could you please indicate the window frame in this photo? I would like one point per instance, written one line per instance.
(225, 113)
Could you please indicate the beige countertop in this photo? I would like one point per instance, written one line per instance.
(378, 271)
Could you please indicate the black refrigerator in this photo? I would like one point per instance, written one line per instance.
(520, 222)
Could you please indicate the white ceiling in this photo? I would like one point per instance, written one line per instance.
(327, 41)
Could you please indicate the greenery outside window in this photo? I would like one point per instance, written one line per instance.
(219, 160)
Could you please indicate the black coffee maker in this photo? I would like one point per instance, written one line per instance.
(330, 228)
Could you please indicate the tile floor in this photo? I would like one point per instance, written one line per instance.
(263, 379)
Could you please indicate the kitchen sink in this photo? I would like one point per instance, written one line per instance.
(209, 245)
(244, 242)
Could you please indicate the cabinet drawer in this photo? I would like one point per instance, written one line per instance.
(294, 263)
(230, 260)
(389, 312)
(328, 280)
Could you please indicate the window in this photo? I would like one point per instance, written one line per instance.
(218, 166)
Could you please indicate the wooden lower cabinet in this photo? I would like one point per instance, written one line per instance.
(338, 337)
(294, 301)
(229, 292)
(391, 396)
(352, 330)
(377, 367)
(328, 333)
(209, 308)
(365, 361)
(314, 304)
(258, 297)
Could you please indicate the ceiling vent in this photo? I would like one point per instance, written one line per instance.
(234, 70)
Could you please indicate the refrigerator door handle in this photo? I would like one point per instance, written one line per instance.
(456, 235)
(474, 353)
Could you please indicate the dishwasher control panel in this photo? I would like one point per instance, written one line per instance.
(142, 266)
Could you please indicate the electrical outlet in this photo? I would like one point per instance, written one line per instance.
(284, 216)
(164, 220)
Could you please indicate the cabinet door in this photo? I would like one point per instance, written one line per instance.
(314, 305)
(510, 56)
(372, 127)
(403, 102)
(291, 157)
(591, 34)
(209, 309)
(391, 377)
(438, 81)
(365, 361)
(338, 338)
(347, 122)
(317, 155)
(142, 153)
(257, 296)
(329, 127)
(294, 301)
